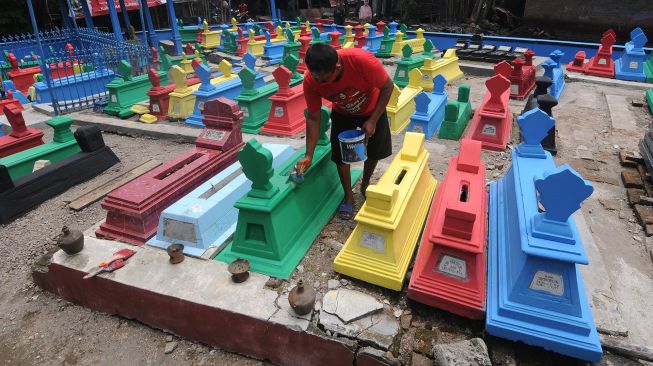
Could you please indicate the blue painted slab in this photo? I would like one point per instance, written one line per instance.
(209, 221)
(272, 52)
(630, 66)
(74, 87)
(429, 109)
(207, 91)
(554, 71)
(535, 292)
(8, 85)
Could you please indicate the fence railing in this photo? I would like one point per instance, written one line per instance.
(75, 65)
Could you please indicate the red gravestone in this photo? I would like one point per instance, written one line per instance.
(160, 95)
(522, 79)
(9, 100)
(578, 64)
(134, 209)
(450, 267)
(23, 78)
(602, 64)
(199, 34)
(335, 40)
(359, 37)
(492, 121)
(155, 58)
(379, 26)
(304, 32)
(287, 113)
(21, 138)
(242, 43)
(305, 41)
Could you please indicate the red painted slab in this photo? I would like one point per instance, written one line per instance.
(450, 267)
(21, 138)
(492, 121)
(522, 79)
(160, 95)
(286, 116)
(602, 64)
(134, 209)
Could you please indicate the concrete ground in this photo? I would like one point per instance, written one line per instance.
(594, 123)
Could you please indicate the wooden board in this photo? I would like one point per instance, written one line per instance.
(96, 193)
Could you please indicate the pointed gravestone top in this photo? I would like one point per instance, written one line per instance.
(503, 68)
(257, 29)
(439, 82)
(290, 36)
(155, 78)
(548, 65)
(407, 52)
(125, 69)
(403, 28)
(422, 102)
(608, 39)
(257, 166)
(562, 190)
(414, 78)
(267, 37)
(534, 126)
(282, 77)
(204, 74)
(251, 34)
(394, 97)
(240, 33)
(189, 49)
(205, 26)
(15, 118)
(247, 77)
(279, 31)
(639, 40)
(635, 32)
(496, 86)
(290, 62)
(225, 68)
(556, 56)
(428, 46)
(178, 76)
(250, 60)
(316, 33)
(386, 32)
(371, 29)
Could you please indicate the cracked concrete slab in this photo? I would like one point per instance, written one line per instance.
(287, 316)
(349, 305)
(621, 117)
(377, 329)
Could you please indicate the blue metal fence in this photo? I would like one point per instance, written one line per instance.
(75, 65)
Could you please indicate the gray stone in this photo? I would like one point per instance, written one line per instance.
(377, 329)
(333, 284)
(344, 282)
(273, 282)
(471, 352)
(168, 47)
(287, 316)
(620, 115)
(170, 347)
(419, 360)
(349, 305)
(40, 164)
(405, 320)
(334, 244)
(502, 353)
(214, 58)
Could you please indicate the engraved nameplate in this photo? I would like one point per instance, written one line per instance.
(213, 135)
(373, 241)
(548, 282)
(452, 266)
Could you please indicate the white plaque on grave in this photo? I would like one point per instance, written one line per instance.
(489, 130)
(452, 266)
(548, 282)
(278, 112)
(373, 241)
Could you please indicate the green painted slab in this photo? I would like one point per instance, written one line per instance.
(62, 146)
(254, 102)
(648, 68)
(407, 63)
(649, 99)
(386, 44)
(127, 90)
(278, 220)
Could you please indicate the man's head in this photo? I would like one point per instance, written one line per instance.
(322, 62)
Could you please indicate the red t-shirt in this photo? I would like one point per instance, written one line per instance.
(357, 90)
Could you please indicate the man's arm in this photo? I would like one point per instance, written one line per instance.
(312, 134)
(384, 97)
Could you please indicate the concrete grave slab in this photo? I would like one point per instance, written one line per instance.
(621, 116)
(349, 305)
(471, 352)
(377, 329)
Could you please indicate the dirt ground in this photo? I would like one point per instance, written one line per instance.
(37, 327)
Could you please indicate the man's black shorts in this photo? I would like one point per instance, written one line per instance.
(379, 145)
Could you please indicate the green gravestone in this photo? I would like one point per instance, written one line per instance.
(649, 99)
(428, 51)
(407, 63)
(127, 90)
(291, 62)
(63, 145)
(291, 47)
(456, 115)
(315, 32)
(254, 102)
(278, 220)
(230, 44)
(386, 44)
(648, 68)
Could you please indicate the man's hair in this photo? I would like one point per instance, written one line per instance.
(321, 57)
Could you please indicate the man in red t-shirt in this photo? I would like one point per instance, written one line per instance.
(359, 88)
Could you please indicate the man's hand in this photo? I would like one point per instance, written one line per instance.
(303, 164)
(369, 127)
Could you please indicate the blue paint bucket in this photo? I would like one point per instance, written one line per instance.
(352, 146)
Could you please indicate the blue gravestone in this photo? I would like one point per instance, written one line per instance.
(535, 292)
(272, 51)
(429, 109)
(393, 27)
(631, 64)
(206, 217)
(373, 39)
(8, 85)
(554, 71)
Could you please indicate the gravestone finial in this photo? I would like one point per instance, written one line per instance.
(250, 60)
(247, 77)
(125, 69)
(496, 86)
(154, 77)
(407, 52)
(439, 83)
(257, 167)
(561, 191)
(225, 67)
(422, 102)
(534, 126)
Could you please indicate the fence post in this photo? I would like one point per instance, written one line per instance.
(125, 17)
(88, 17)
(115, 23)
(151, 33)
(176, 38)
(35, 27)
